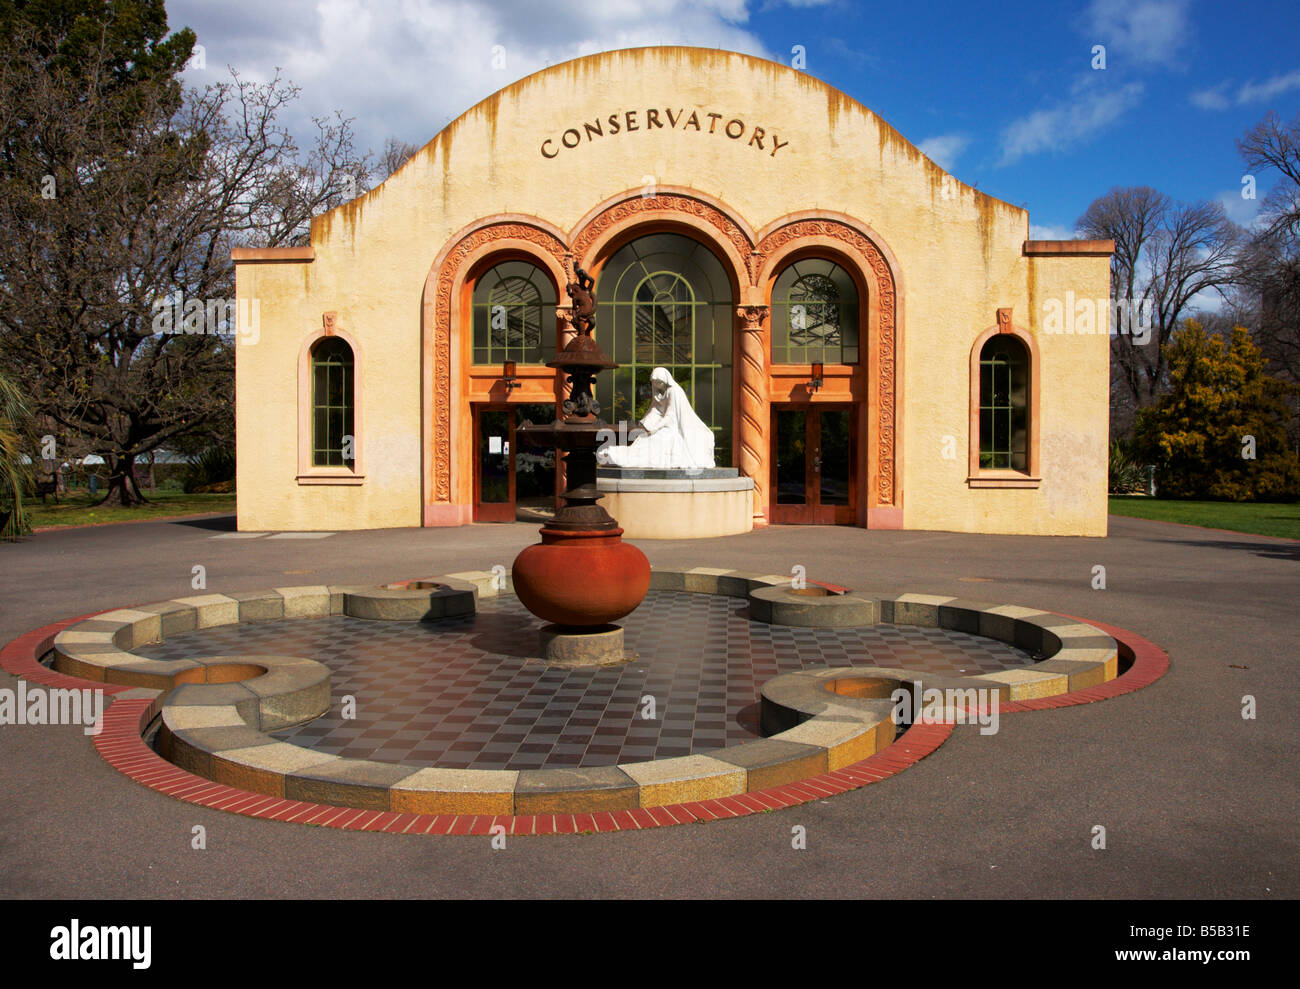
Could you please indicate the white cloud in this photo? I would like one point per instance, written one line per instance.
(1218, 97)
(944, 149)
(1253, 93)
(1240, 211)
(1050, 231)
(1212, 99)
(1090, 109)
(1139, 31)
(1206, 301)
(407, 67)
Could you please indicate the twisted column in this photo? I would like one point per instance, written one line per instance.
(754, 408)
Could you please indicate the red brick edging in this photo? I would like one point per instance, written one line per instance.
(122, 746)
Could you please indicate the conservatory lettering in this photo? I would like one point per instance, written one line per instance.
(701, 121)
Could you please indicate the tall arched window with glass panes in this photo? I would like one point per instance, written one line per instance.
(664, 300)
(333, 403)
(1004, 404)
(514, 315)
(814, 314)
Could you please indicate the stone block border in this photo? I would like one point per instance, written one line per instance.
(831, 745)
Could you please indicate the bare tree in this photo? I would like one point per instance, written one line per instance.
(396, 153)
(119, 208)
(1165, 255)
(1272, 145)
(1269, 275)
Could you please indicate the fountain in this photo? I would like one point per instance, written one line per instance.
(581, 577)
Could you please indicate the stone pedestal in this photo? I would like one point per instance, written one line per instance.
(678, 503)
(593, 645)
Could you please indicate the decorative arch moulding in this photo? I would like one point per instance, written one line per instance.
(883, 344)
(750, 256)
(673, 205)
(448, 272)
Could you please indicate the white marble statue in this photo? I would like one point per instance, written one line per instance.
(674, 435)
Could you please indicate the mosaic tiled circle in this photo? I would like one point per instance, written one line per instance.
(468, 693)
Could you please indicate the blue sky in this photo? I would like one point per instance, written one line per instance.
(1004, 95)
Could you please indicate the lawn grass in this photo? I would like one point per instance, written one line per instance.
(80, 508)
(1254, 517)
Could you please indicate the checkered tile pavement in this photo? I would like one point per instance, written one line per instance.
(467, 692)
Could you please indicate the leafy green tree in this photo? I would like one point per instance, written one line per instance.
(1220, 430)
(121, 196)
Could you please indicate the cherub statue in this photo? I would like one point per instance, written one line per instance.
(584, 301)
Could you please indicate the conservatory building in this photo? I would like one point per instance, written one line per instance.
(871, 341)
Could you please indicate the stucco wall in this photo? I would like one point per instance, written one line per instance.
(1072, 422)
(959, 255)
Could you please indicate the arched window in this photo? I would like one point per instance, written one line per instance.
(333, 404)
(514, 304)
(1004, 404)
(814, 314)
(664, 300)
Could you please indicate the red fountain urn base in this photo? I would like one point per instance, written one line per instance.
(581, 578)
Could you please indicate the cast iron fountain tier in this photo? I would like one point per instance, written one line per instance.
(582, 576)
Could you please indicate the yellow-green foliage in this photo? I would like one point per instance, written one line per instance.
(14, 475)
(1219, 397)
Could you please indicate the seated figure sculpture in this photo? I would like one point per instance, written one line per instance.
(674, 435)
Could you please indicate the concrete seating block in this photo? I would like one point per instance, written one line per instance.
(176, 618)
(137, 627)
(1030, 684)
(773, 762)
(312, 601)
(345, 782)
(258, 606)
(918, 609)
(685, 779)
(455, 791)
(575, 791)
(845, 740)
(211, 610)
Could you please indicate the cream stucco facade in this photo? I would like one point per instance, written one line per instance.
(777, 166)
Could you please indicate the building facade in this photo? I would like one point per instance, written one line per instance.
(865, 335)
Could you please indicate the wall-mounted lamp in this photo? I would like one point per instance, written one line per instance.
(508, 377)
(816, 381)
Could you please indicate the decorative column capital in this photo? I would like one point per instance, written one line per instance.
(753, 316)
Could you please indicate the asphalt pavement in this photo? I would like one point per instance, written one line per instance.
(1196, 800)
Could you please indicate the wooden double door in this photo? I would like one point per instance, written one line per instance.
(511, 482)
(814, 465)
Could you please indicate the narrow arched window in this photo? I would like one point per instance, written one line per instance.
(814, 314)
(514, 304)
(333, 404)
(1004, 404)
